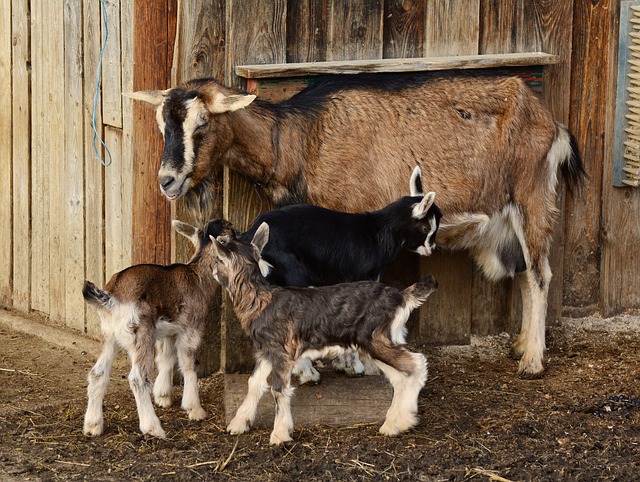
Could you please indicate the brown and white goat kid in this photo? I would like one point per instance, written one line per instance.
(286, 324)
(485, 143)
(149, 305)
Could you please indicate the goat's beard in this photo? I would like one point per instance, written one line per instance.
(204, 200)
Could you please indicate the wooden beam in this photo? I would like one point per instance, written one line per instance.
(459, 62)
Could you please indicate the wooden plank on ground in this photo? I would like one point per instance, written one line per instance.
(21, 121)
(254, 35)
(338, 401)
(111, 65)
(199, 52)
(54, 154)
(6, 174)
(72, 198)
(93, 169)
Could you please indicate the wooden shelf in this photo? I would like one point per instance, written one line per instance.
(459, 62)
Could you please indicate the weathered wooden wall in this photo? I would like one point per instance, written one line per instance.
(65, 217)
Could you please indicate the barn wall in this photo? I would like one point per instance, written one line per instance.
(65, 217)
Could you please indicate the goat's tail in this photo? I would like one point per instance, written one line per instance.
(94, 295)
(571, 165)
(417, 293)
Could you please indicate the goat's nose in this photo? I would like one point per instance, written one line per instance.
(166, 181)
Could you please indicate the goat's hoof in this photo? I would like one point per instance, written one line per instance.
(154, 431)
(236, 427)
(277, 439)
(309, 379)
(197, 413)
(531, 370)
(164, 401)
(92, 429)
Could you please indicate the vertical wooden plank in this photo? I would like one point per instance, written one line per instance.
(200, 53)
(452, 27)
(6, 176)
(126, 179)
(73, 160)
(55, 154)
(113, 233)
(153, 46)
(590, 61)
(446, 318)
(21, 117)
(620, 283)
(306, 30)
(355, 30)
(93, 169)
(255, 35)
(111, 64)
(404, 22)
(40, 167)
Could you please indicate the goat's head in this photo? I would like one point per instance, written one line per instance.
(190, 118)
(198, 237)
(234, 258)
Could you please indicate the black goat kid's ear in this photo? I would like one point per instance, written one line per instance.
(420, 209)
(415, 182)
(261, 238)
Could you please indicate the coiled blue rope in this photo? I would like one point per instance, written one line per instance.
(96, 134)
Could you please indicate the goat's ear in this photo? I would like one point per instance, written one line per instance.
(228, 103)
(261, 238)
(420, 209)
(152, 97)
(188, 231)
(415, 182)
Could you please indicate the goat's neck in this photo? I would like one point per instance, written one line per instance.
(250, 297)
(263, 150)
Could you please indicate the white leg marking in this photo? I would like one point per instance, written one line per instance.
(283, 422)
(149, 421)
(98, 379)
(186, 345)
(165, 361)
(258, 385)
(305, 371)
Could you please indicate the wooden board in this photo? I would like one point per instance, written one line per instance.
(404, 30)
(338, 400)
(6, 176)
(93, 169)
(355, 30)
(21, 150)
(253, 35)
(111, 65)
(72, 198)
(306, 30)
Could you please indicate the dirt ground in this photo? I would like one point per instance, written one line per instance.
(478, 421)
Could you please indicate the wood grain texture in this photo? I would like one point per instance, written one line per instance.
(111, 67)
(6, 146)
(153, 47)
(93, 169)
(435, 62)
(200, 53)
(355, 30)
(306, 30)
(590, 62)
(256, 35)
(620, 283)
(72, 198)
(21, 151)
(452, 27)
(404, 29)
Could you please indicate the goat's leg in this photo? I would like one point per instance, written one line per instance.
(98, 379)
(305, 372)
(165, 361)
(349, 363)
(525, 294)
(246, 413)
(532, 341)
(407, 373)
(281, 390)
(140, 349)
(187, 345)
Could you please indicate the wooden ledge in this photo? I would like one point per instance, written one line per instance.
(459, 62)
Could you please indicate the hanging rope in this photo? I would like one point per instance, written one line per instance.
(96, 134)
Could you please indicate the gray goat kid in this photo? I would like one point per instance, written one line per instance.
(149, 305)
(286, 324)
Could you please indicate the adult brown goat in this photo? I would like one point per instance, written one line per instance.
(486, 145)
